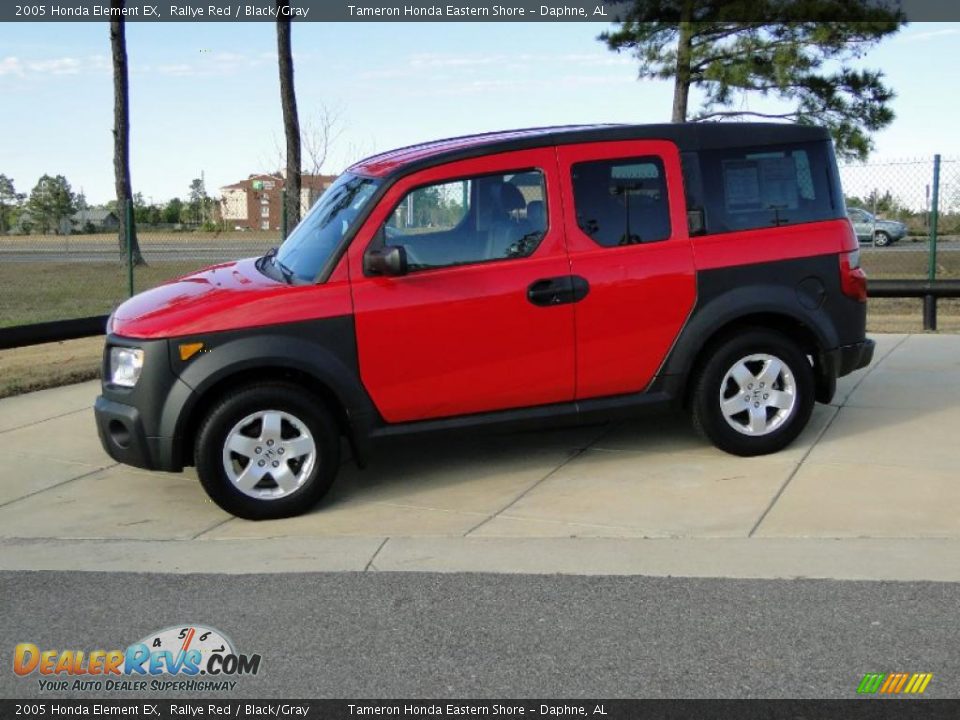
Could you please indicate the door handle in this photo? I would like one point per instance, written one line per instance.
(558, 290)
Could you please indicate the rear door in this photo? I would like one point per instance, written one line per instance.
(627, 238)
(474, 325)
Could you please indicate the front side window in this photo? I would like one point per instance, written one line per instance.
(622, 202)
(470, 220)
(306, 251)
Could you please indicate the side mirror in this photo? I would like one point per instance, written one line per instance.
(390, 261)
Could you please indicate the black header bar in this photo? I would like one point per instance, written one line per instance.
(598, 11)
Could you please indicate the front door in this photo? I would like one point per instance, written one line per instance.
(627, 236)
(482, 320)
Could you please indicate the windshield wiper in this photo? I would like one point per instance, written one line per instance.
(285, 271)
(262, 261)
(271, 258)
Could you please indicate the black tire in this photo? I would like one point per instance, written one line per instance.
(285, 398)
(881, 239)
(707, 415)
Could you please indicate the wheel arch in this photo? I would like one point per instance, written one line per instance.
(242, 362)
(738, 309)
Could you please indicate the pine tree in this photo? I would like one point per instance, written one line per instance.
(796, 51)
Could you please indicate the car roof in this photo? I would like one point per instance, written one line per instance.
(687, 136)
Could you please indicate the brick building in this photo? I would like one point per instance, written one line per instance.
(256, 204)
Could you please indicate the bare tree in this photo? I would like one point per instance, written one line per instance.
(291, 123)
(318, 133)
(121, 130)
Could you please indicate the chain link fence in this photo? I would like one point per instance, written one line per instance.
(891, 204)
(80, 269)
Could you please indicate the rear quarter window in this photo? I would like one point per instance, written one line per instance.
(771, 186)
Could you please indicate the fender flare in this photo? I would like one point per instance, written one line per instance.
(720, 311)
(267, 350)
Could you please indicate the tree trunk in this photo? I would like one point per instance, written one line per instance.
(681, 85)
(291, 123)
(121, 133)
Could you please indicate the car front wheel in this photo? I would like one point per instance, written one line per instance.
(755, 393)
(267, 451)
(881, 239)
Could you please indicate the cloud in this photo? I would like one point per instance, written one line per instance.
(55, 66)
(176, 70)
(385, 74)
(99, 63)
(927, 35)
(438, 60)
(11, 66)
(598, 60)
(435, 60)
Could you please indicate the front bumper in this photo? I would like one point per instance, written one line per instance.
(123, 437)
(137, 426)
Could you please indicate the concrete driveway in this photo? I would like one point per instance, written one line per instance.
(870, 490)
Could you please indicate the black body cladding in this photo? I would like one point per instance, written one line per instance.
(166, 406)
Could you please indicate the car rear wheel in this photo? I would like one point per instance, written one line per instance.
(267, 451)
(755, 393)
(881, 239)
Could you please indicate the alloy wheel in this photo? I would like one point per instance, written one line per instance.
(269, 454)
(758, 394)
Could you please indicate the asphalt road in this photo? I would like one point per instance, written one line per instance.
(378, 635)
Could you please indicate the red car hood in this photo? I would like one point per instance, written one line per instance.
(223, 297)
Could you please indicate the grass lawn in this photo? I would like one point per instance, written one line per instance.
(146, 238)
(50, 290)
(50, 365)
(41, 291)
(881, 263)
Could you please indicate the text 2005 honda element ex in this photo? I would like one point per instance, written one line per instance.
(511, 279)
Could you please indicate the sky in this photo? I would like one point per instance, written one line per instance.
(205, 96)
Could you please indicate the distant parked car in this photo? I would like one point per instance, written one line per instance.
(870, 228)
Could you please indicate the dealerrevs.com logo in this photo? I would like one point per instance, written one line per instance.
(179, 658)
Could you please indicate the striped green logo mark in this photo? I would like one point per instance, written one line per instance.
(894, 683)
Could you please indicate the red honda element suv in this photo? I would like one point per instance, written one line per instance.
(512, 278)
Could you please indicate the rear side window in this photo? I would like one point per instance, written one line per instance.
(751, 188)
(622, 202)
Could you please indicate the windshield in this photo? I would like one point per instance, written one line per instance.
(308, 248)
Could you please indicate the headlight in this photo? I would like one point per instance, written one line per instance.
(125, 365)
